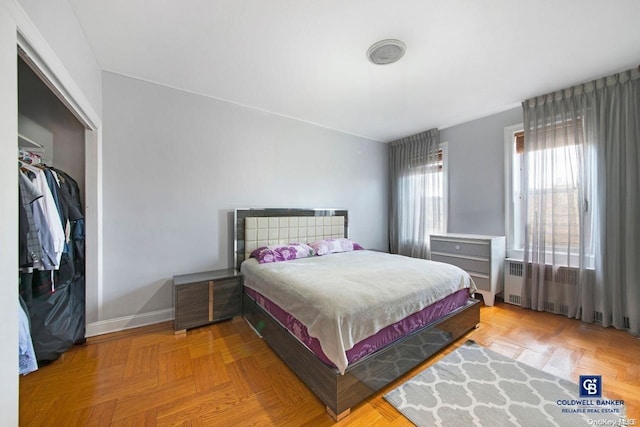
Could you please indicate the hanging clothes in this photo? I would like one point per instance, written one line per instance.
(48, 223)
(26, 355)
(52, 282)
(72, 210)
(32, 249)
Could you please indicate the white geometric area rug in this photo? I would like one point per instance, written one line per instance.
(476, 386)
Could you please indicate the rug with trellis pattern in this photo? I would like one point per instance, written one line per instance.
(477, 386)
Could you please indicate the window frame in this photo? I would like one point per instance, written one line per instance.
(443, 147)
(513, 235)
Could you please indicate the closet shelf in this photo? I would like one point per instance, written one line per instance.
(25, 142)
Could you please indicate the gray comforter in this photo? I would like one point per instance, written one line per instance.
(343, 298)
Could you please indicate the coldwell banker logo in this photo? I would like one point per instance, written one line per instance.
(600, 412)
(590, 386)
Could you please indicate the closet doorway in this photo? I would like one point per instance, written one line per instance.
(54, 114)
(83, 152)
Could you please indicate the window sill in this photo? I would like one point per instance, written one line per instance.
(518, 255)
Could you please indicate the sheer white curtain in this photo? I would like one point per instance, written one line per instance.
(581, 199)
(617, 126)
(417, 193)
(558, 168)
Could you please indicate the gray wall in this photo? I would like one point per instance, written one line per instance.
(177, 164)
(476, 173)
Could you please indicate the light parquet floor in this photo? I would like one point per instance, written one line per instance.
(223, 375)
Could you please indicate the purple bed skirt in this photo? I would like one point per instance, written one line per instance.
(371, 344)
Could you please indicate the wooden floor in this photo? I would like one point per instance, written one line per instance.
(224, 375)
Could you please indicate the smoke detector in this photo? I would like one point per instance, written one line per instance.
(386, 51)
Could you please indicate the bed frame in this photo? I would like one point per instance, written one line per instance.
(369, 374)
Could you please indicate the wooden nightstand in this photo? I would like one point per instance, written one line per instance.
(207, 297)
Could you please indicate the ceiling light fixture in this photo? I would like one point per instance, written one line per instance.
(386, 51)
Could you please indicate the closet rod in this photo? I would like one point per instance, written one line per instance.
(29, 156)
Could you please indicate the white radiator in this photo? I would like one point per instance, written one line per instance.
(564, 282)
(513, 282)
(566, 277)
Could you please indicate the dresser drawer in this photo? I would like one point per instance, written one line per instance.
(482, 283)
(467, 264)
(475, 248)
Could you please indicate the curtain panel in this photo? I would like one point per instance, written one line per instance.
(416, 193)
(581, 191)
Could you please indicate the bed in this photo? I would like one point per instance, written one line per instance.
(343, 361)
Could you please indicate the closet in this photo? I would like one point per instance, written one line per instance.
(51, 147)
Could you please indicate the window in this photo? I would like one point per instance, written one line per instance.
(556, 204)
(513, 199)
(428, 185)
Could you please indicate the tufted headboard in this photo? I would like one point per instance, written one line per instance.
(261, 227)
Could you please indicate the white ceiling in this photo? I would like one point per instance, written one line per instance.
(305, 59)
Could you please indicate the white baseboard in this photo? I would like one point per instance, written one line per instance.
(128, 322)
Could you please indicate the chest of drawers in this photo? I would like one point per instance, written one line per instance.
(480, 256)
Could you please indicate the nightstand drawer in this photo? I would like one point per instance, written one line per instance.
(467, 264)
(477, 248)
(227, 298)
(192, 311)
(207, 297)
